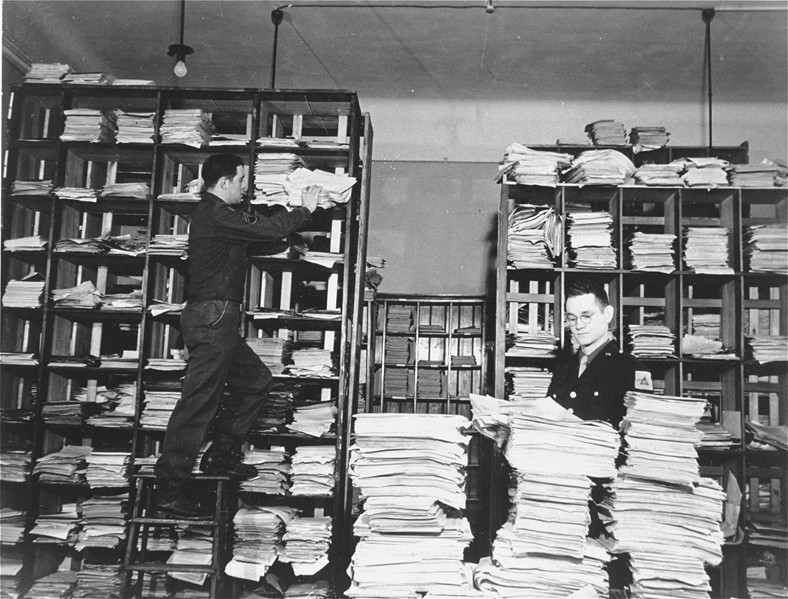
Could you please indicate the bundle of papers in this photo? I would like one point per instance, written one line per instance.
(525, 166)
(590, 239)
(88, 78)
(651, 252)
(312, 470)
(59, 527)
(57, 584)
(62, 412)
(526, 382)
(431, 383)
(98, 580)
(103, 522)
(126, 190)
(659, 174)
(270, 176)
(306, 544)
(12, 526)
(399, 319)
(648, 138)
(77, 194)
(170, 245)
(19, 187)
(607, 132)
(158, 408)
(24, 293)
(766, 248)
(85, 296)
(754, 175)
(704, 172)
(14, 465)
(530, 345)
(167, 364)
(107, 469)
(46, 72)
(652, 341)
(715, 436)
(410, 471)
(188, 126)
(277, 142)
(399, 351)
(335, 188)
(86, 124)
(228, 139)
(34, 242)
(314, 419)
(273, 351)
(190, 192)
(67, 466)
(600, 167)
(273, 467)
(661, 437)
(706, 250)
(125, 81)
(258, 536)
(768, 348)
(135, 127)
(535, 236)
(311, 362)
(277, 410)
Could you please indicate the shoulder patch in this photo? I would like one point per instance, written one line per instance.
(643, 380)
(249, 219)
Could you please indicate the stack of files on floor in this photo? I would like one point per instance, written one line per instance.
(600, 167)
(103, 522)
(706, 250)
(768, 348)
(314, 419)
(542, 550)
(59, 584)
(311, 362)
(335, 188)
(77, 194)
(273, 468)
(704, 172)
(14, 465)
(61, 527)
(766, 248)
(24, 293)
(194, 546)
(590, 239)
(535, 236)
(665, 516)
(754, 175)
(88, 78)
(188, 126)
(644, 139)
(525, 166)
(526, 382)
(87, 124)
(135, 127)
(139, 191)
(270, 176)
(96, 580)
(107, 469)
(306, 544)
(412, 535)
(117, 407)
(652, 341)
(607, 132)
(530, 345)
(399, 319)
(67, 466)
(158, 408)
(651, 252)
(169, 245)
(659, 174)
(273, 351)
(21, 187)
(258, 538)
(312, 470)
(47, 72)
(12, 526)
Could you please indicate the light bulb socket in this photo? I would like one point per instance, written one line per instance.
(181, 51)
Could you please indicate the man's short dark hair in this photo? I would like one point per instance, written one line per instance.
(218, 166)
(596, 289)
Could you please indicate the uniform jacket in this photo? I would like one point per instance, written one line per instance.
(599, 392)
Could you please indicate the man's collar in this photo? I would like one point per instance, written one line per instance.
(594, 351)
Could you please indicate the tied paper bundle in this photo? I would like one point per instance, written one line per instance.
(600, 167)
(525, 166)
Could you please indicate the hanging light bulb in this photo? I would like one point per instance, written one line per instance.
(180, 51)
(180, 69)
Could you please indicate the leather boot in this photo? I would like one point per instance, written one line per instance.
(225, 458)
(174, 499)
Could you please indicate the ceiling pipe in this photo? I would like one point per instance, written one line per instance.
(708, 15)
(276, 18)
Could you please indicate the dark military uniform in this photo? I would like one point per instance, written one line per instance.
(598, 394)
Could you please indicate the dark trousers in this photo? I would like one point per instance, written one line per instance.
(218, 357)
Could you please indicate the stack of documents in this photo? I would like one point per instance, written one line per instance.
(20, 188)
(57, 584)
(59, 527)
(273, 467)
(88, 78)
(607, 132)
(312, 470)
(21, 244)
(77, 194)
(108, 469)
(258, 535)
(651, 252)
(117, 407)
(432, 384)
(754, 175)
(704, 172)
(12, 526)
(103, 523)
(715, 436)
(525, 166)
(768, 348)
(399, 319)
(98, 580)
(410, 471)
(24, 293)
(273, 351)
(399, 382)
(761, 588)
(188, 126)
(706, 250)
(659, 174)
(590, 239)
(399, 351)
(86, 124)
(652, 341)
(527, 382)
(270, 177)
(158, 408)
(535, 236)
(228, 139)
(22, 359)
(524, 344)
(10, 568)
(314, 419)
(170, 245)
(135, 127)
(194, 546)
(669, 532)
(177, 362)
(306, 544)
(14, 465)
(335, 188)
(648, 138)
(62, 412)
(311, 362)
(66, 466)
(661, 437)
(600, 167)
(766, 248)
(278, 142)
(138, 190)
(277, 410)
(127, 82)
(190, 193)
(46, 72)
(122, 302)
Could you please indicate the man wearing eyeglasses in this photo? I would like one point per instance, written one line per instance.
(593, 381)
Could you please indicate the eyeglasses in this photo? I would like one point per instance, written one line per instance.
(583, 319)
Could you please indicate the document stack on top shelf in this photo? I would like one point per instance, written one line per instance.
(525, 166)
(188, 126)
(648, 138)
(607, 132)
(659, 174)
(45, 72)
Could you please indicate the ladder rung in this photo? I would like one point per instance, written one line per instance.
(160, 567)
